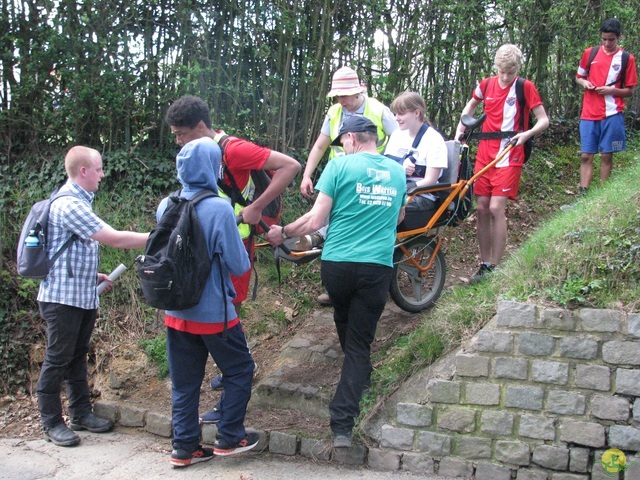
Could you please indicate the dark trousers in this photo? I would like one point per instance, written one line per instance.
(68, 335)
(358, 292)
(187, 354)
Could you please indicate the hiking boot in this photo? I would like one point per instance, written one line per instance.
(92, 423)
(482, 273)
(61, 435)
(212, 416)
(223, 448)
(181, 458)
(216, 383)
(342, 440)
(325, 300)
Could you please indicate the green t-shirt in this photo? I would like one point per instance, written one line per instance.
(368, 191)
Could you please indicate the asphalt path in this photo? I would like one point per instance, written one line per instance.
(133, 455)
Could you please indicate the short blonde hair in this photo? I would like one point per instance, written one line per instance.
(508, 58)
(77, 158)
(410, 102)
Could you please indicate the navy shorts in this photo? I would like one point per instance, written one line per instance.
(604, 136)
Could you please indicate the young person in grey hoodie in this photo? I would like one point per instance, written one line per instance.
(195, 333)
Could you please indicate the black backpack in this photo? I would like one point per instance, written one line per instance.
(33, 261)
(623, 65)
(175, 265)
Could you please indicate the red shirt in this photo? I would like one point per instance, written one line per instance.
(242, 156)
(503, 115)
(604, 70)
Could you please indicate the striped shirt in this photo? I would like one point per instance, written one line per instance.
(69, 215)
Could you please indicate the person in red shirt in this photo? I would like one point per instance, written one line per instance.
(605, 87)
(497, 185)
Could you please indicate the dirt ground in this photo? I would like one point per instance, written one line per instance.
(127, 375)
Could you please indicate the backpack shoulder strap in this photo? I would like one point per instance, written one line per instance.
(521, 100)
(592, 56)
(419, 136)
(201, 195)
(623, 68)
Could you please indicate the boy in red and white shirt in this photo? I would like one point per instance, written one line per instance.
(501, 182)
(605, 87)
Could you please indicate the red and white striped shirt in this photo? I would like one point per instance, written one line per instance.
(604, 70)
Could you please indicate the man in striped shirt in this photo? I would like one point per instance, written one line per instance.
(608, 75)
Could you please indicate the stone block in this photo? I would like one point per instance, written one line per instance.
(209, 432)
(565, 402)
(632, 469)
(398, 438)
(531, 474)
(621, 353)
(625, 438)
(579, 459)
(537, 427)
(132, 416)
(453, 467)
(525, 397)
(418, 463)
(513, 452)
(489, 471)
(350, 456)
(315, 449)
(633, 325)
(535, 344)
(436, 444)
(610, 408)
(593, 377)
(495, 342)
(548, 456)
(472, 365)
(569, 476)
(627, 381)
(108, 410)
(509, 367)
(414, 414)
(263, 439)
(443, 391)
(461, 420)
(600, 320)
(516, 315)
(158, 424)
(558, 319)
(385, 460)
(636, 410)
(579, 348)
(482, 393)
(582, 433)
(472, 448)
(495, 422)
(544, 371)
(283, 443)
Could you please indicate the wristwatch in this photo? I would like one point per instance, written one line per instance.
(284, 234)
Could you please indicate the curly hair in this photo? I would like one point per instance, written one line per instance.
(188, 111)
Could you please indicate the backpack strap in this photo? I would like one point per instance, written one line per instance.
(54, 196)
(419, 136)
(623, 65)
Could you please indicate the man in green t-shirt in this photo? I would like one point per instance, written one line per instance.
(362, 194)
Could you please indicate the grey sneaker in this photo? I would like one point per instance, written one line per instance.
(482, 273)
(342, 440)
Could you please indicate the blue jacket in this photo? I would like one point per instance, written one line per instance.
(198, 165)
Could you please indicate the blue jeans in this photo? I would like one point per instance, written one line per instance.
(187, 354)
(68, 334)
(358, 292)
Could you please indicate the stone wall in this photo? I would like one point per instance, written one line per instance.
(538, 394)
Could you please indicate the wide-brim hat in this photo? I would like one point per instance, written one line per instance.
(355, 123)
(345, 82)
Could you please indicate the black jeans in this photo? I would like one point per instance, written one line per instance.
(358, 292)
(68, 334)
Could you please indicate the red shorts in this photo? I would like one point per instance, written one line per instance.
(241, 283)
(498, 182)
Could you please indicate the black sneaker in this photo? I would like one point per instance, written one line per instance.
(181, 458)
(212, 416)
(223, 448)
(482, 272)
